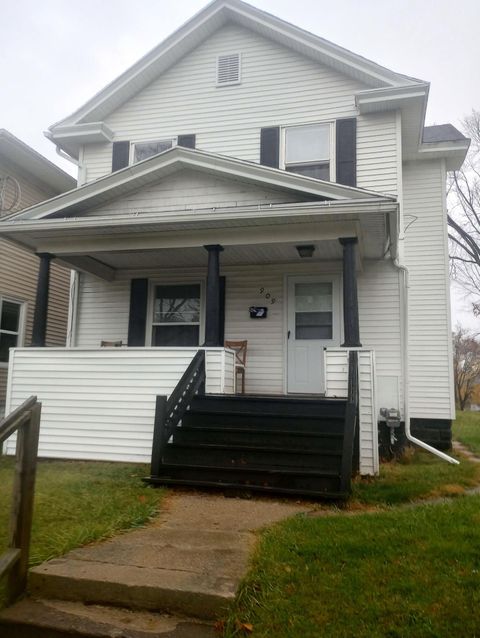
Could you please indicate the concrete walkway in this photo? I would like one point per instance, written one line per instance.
(188, 562)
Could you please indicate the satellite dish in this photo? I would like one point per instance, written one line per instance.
(10, 194)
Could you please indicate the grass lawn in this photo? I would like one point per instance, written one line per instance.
(390, 573)
(77, 502)
(418, 475)
(406, 573)
(466, 429)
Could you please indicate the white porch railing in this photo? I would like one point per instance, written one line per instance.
(99, 404)
(336, 385)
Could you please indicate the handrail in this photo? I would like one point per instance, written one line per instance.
(169, 413)
(25, 420)
(351, 421)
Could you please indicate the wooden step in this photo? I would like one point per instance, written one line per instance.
(227, 455)
(325, 483)
(228, 435)
(275, 421)
(269, 405)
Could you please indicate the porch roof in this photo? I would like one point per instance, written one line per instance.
(102, 243)
(76, 202)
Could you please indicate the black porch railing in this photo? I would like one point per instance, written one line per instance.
(168, 413)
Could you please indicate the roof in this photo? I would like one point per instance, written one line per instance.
(442, 133)
(199, 28)
(37, 165)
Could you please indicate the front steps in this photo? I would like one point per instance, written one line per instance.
(171, 579)
(274, 444)
(157, 582)
(62, 619)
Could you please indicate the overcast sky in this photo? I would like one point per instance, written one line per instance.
(55, 54)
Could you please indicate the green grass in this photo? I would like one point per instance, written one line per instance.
(77, 502)
(466, 429)
(418, 475)
(409, 573)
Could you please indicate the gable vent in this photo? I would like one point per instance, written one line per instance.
(228, 69)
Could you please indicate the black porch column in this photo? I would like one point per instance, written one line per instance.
(39, 330)
(350, 298)
(212, 310)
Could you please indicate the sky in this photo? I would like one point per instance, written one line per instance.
(56, 54)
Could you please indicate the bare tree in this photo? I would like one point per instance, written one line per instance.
(466, 365)
(464, 215)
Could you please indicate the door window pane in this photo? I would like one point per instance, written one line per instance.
(314, 310)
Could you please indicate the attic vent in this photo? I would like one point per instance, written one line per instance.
(228, 69)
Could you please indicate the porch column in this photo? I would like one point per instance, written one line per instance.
(212, 310)
(350, 297)
(39, 330)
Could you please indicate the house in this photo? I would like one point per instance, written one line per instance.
(26, 177)
(247, 180)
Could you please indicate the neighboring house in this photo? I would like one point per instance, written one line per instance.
(25, 179)
(246, 164)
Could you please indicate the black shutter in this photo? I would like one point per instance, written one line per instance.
(270, 146)
(221, 318)
(138, 312)
(187, 141)
(120, 155)
(346, 148)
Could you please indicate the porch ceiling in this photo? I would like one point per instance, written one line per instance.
(232, 255)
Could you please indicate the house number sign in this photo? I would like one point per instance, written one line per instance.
(267, 295)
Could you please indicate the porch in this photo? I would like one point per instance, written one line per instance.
(166, 282)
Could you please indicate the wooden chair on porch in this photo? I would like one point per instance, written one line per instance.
(240, 348)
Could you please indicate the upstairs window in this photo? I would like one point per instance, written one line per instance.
(228, 69)
(11, 320)
(308, 150)
(144, 150)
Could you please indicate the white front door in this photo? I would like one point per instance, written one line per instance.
(313, 324)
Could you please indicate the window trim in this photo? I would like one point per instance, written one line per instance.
(218, 84)
(151, 306)
(21, 323)
(332, 159)
(173, 139)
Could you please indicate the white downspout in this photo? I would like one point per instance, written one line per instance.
(405, 351)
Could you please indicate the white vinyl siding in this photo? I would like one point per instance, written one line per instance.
(194, 190)
(426, 255)
(279, 88)
(336, 385)
(100, 404)
(380, 329)
(377, 152)
(104, 307)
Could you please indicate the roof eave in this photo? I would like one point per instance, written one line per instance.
(36, 164)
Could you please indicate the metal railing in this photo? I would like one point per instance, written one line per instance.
(25, 421)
